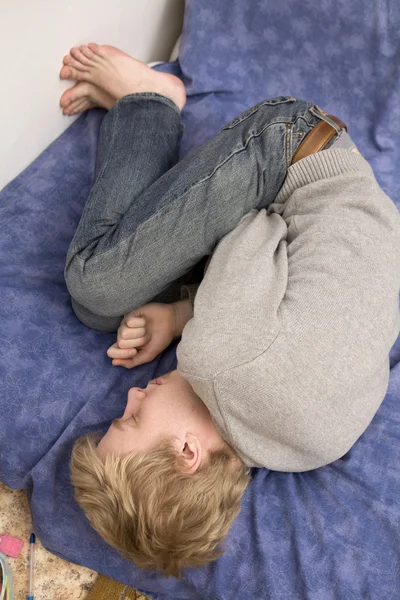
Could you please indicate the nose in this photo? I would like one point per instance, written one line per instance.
(135, 395)
(138, 392)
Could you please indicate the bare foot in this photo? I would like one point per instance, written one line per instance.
(83, 96)
(118, 74)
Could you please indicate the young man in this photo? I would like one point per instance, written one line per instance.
(283, 362)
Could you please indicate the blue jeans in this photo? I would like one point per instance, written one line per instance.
(150, 221)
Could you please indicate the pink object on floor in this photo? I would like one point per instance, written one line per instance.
(10, 546)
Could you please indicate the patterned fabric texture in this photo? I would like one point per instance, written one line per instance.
(107, 589)
(328, 534)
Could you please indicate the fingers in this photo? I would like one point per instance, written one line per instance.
(134, 345)
(131, 333)
(140, 359)
(131, 321)
(128, 363)
(115, 351)
(133, 342)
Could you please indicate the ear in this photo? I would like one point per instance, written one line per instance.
(190, 453)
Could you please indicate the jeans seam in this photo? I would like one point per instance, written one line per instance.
(326, 119)
(207, 178)
(164, 100)
(101, 174)
(288, 144)
(254, 109)
(154, 96)
(304, 117)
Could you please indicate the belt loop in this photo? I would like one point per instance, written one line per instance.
(317, 112)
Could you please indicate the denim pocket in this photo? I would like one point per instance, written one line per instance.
(292, 140)
(250, 111)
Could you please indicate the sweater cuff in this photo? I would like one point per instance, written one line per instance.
(189, 291)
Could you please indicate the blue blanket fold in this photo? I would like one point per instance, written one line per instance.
(328, 534)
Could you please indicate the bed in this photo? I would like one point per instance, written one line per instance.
(328, 534)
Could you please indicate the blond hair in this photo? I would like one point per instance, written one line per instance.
(154, 514)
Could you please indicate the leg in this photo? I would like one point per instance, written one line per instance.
(121, 258)
(131, 155)
(118, 165)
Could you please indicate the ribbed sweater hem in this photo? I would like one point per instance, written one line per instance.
(322, 165)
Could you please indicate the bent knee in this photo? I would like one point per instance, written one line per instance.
(103, 293)
(94, 321)
(92, 289)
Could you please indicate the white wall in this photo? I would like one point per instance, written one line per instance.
(35, 35)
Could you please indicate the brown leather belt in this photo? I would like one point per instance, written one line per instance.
(317, 138)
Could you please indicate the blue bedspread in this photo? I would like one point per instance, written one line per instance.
(329, 534)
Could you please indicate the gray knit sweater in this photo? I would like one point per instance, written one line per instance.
(295, 317)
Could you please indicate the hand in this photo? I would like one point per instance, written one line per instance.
(143, 334)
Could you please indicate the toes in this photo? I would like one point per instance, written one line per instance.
(88, 53)
(78, 56)
(75, 53)
(76, 107)
(65, 99)
(82, 107)
(66, 110)
(70, 73)
(66, 73)
(95, 48)
(69, 61)
(79, 91)
(87, 106)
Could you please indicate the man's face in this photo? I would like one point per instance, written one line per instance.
(168, 407)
